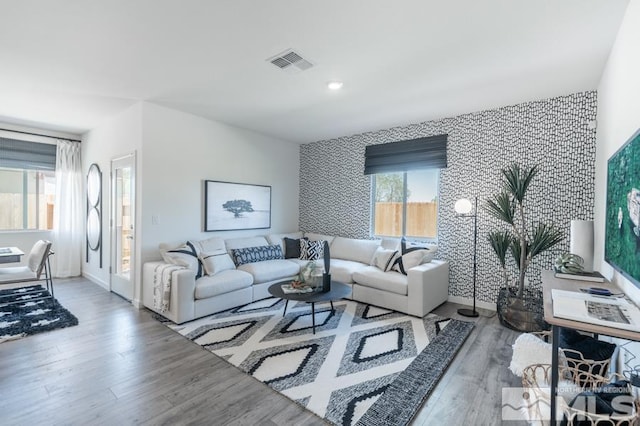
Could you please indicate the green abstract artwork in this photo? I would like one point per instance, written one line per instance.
(622, 240)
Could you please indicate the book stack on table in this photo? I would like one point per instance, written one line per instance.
(594, 276)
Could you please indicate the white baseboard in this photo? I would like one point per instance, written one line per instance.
(96, 280)
(469, 302)
(137, 303)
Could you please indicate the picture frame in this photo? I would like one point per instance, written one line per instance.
(230, 206)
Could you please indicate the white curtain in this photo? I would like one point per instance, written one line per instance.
(68, 223)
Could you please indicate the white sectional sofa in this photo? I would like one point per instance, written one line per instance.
(423, 288)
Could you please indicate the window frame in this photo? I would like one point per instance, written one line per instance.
(404, 235)
(39, 192)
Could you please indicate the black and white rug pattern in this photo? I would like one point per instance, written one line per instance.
(359, 354)
(31, 317)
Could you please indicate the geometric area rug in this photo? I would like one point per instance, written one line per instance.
(365, 365)
(23, 319)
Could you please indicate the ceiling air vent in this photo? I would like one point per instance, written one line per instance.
(290, 61)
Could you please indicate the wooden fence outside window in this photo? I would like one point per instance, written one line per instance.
(421, 219)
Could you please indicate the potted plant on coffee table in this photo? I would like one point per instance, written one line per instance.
(519, 307)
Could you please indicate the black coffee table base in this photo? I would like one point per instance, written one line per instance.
(313, 312)
(338, 291)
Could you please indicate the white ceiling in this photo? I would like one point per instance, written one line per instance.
(68, 64)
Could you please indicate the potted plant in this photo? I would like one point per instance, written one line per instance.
(518, 309)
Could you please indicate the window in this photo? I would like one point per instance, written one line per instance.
(26, 199)
(406, 204)
(27, 185)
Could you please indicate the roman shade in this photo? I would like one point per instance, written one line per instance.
(17, 154)
(422, 153)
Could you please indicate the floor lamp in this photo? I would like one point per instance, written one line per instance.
(464, 208)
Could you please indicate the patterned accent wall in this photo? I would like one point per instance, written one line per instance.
(335, 195)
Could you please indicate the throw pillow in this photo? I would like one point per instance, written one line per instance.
(256, 254)
(292, 247)
(589, 347)
(311, 250)
(216, 262)
(383, 259)
(185, 255)
(411, 259)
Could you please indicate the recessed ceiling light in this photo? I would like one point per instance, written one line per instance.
(334, 85)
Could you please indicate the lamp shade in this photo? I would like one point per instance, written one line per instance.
(463, 206)
(581, 242)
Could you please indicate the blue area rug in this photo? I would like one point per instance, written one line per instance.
(23, 319)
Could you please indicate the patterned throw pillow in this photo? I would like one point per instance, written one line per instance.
(412, 259)
(256, 254)
(311, 250)
(384, 259)
(216, 262)
(185, 255)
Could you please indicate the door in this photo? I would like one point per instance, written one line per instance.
(123, 201)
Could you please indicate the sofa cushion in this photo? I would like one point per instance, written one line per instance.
(343, 270)
(216, 262)
(311, 250)
(270, 270)
(212, 245)
(221, 283)
(411, 259)
(409, 246)
(352, 249)
(390, 243)
(319, 237)
(383, 259)
(235, 243)
(256, 254)
(373, 277)
(185, 255)
(279, 239)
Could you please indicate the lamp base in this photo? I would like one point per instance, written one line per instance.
(468, 313)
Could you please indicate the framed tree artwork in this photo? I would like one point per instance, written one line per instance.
(234, 206)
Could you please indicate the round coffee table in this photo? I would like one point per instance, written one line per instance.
(338, 291)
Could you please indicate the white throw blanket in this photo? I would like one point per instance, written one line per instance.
(162, 279)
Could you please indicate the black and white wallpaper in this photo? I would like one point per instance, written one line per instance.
(557, 134)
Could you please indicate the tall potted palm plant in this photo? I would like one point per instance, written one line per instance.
(522, 240)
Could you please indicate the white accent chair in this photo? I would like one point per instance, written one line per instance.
(38, 269)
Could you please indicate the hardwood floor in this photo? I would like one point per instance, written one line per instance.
(121, 366)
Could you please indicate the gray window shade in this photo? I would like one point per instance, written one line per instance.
(17, 154)
(421, 153)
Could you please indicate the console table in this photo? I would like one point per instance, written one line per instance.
(550, 282)
(10, 254)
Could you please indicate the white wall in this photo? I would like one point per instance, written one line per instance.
(182, 150)
(120, 135)
(176, 152)
(618, 119)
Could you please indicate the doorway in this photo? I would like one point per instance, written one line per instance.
(123, 202)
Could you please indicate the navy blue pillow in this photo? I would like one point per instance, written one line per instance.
(590, 348)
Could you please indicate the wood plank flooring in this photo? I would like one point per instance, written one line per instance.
(120, 366)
